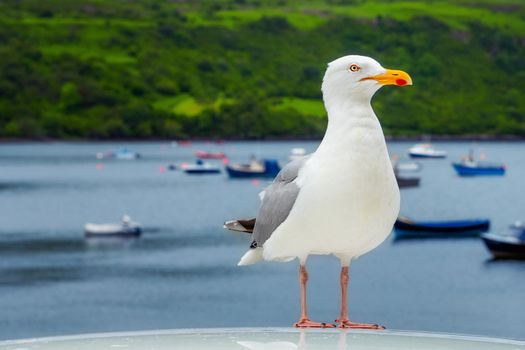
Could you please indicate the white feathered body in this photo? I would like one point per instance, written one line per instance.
(348, 198)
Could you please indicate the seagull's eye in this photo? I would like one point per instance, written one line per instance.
(354, 68)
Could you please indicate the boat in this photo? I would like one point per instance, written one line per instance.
(121, 153)
(296, 153)
(405, 227)
(425, 150)
(256, 168)
(126, 154)
(200, 167)
(407, 166)
(125, 228)
(475, 168)
(404, 181)
(400, 166)
(509, 246)
(210, 155)
(181, 143)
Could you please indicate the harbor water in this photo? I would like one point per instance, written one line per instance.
(182, 273)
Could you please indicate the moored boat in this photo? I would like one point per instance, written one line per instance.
(121, 153)
(509, 246)
(405, 227)
(256, 168)
(407, 166)
(210, 155)
(200, 167)
(474, 168)
(126, 154)
(504, 247)
(404, 181)
(125, 228)
(425, 150)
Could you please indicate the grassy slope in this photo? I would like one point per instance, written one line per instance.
(93, 37)
(308, 16)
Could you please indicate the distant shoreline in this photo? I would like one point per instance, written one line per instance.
(420, 138)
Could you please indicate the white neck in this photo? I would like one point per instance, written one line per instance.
(346, 115)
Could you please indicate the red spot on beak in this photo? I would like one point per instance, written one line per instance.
(401, 82)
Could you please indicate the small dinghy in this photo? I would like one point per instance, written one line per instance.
(405, 227)
(425, 150)
(126, 154)
(121, 153)
(200, 167)
(125, 228)
(210, 155)
(407, 166)
(510, 246)
(264, 168)
(404, 181)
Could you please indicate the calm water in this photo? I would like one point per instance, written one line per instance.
(182, 272)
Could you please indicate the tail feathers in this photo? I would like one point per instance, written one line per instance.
(251, 257)
(240, 225)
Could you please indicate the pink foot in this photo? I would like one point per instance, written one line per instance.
(306, 323)
(346, 323)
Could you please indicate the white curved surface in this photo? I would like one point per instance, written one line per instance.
(265, 338)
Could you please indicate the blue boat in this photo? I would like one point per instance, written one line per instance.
(268, 168)
(479, 168)
(405, 228)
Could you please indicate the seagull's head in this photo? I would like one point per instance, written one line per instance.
(359, 77)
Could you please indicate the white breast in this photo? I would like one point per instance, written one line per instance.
(349, 198)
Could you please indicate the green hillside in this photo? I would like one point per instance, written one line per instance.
(252, 68)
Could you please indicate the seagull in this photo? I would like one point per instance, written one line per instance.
(343, 199)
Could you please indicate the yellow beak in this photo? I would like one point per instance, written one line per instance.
(392, 77)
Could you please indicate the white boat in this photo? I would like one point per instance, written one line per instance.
(126, 154)
(407, 166)
(125, 228)
(122, 154)
(297, 153)
(425, 150)
(401, 166)
(200, 167)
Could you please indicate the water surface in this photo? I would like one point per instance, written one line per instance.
(182, 272)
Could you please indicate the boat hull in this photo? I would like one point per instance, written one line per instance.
(202, 171)
(463, 170)
(504, 248)
(271, 169)
(458, 228)
(130, 232)
(426, 155)
(407, 181)
(236, 173)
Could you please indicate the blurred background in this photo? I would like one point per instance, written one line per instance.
(106, 105)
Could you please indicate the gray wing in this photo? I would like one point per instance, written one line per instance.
(277, 202)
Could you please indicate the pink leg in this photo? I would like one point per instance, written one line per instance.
(343, 320)
(304, 321)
